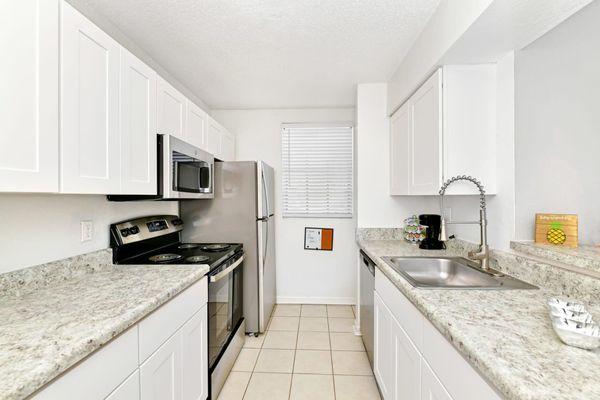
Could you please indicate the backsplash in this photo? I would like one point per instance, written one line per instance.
(40, 228)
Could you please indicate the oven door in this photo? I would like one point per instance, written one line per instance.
(186, 171)
(225, 305)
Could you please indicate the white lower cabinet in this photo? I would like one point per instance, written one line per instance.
(397, 365)
(383, 359)
(175, 369)
(431, 387)
(161, 373)
(128, 390)
(412, 359)
(194, 357)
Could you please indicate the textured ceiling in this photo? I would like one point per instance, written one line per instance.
(272, 53)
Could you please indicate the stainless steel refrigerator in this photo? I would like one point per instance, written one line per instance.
(241, 212)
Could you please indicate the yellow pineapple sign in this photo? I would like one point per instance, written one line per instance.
(556, 229)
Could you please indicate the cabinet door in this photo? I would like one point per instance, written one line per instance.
(227, 146)
(194, 357)
(431, 387)
(213, 138)
(171, 109)
(425, 138)
(407, 365)
(399, 142)
(138, 126)
(160, 374)
(90, 145)
(28, 96)
(128, 390)
(196, 125)
(383, 355)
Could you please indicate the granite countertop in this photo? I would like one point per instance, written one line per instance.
(505, 334)
(48, 328)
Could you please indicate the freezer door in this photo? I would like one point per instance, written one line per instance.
(266, 190)
(266, 271)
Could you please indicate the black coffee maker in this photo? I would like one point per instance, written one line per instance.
(432, 241)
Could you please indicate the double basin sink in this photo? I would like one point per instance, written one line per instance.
(451, 273)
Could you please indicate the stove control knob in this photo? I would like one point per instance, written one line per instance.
(125, 232)
(134, 230)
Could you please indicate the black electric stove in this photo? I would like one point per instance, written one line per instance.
(156, 240)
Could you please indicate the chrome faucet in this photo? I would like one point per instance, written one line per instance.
(483, 254)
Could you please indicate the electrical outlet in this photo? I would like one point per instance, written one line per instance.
(87, 231)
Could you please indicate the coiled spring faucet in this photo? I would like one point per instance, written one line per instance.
(483, 254)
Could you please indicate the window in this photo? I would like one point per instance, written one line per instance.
(317, 170)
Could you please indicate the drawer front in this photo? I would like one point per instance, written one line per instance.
(452, 369)
(155, 329)
(98, 375)
(407, 315)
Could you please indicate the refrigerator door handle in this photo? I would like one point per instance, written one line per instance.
(266, 244)
(265, 191)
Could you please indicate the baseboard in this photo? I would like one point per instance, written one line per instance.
(315, 300)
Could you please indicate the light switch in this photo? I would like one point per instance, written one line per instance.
(87, 231)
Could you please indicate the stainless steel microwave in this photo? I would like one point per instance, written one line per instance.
(184, 171)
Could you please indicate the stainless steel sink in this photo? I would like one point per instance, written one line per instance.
(451, 273)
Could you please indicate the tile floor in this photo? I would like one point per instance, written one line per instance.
(308, 352)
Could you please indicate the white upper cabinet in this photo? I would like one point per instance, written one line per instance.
(447, 128)
(196, 125)
(138, 126)
(29, 96)
(171, 110)
(90, 70)
(470, 126)
(213, 137)
(425, 138)
(399, 131)
(227, 146)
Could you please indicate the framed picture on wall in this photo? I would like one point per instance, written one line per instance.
(318, 239)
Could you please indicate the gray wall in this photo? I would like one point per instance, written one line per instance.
(557, 84)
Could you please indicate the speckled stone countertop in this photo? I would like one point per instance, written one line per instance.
(50, 324)
(585, 257)
(505, 334)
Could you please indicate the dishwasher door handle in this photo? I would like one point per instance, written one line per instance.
(368, 263)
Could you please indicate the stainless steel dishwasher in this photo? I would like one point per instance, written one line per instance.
(367, 288)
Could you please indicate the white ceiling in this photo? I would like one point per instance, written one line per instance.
(272, 53)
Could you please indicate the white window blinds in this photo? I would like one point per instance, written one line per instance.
(317, 170)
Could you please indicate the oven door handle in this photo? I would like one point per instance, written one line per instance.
(227, 271)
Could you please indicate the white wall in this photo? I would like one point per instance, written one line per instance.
(302, 275)
(376, 208)
(39, 228)
(558, 125)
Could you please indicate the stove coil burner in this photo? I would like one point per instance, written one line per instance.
(197, 259)
(163, 258)
(186, 246)
(216, 247)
